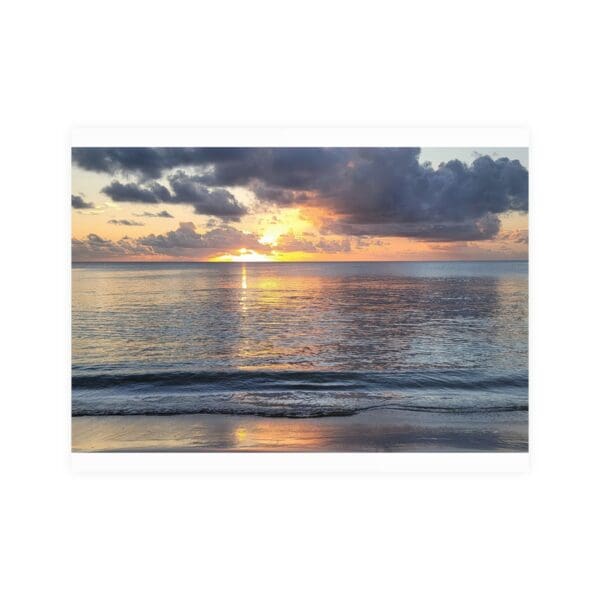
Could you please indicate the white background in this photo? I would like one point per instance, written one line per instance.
(377, 64)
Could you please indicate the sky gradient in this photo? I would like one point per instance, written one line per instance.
(299, 204)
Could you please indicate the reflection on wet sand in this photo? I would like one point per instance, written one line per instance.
(361, 433)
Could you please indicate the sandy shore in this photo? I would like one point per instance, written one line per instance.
(380, 431)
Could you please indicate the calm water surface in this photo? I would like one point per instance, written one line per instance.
(299, 339)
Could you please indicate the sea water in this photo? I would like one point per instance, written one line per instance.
(300, 340)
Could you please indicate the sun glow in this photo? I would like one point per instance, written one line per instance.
(270, 238)
(244, 255)
(277, 225)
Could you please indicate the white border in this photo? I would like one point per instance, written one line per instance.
(301, 137)
(296, 462)
(301, 462)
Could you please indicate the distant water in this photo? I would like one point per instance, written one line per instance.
(299, 339)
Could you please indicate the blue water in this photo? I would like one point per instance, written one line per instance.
(299, 339)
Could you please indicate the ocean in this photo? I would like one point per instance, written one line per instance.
(425, 346)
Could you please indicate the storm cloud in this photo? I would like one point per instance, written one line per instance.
(364, 191)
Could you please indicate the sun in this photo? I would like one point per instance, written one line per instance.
(244, 255)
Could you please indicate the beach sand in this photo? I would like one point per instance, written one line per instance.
(377, 431)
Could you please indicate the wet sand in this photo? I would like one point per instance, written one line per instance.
(378, 431)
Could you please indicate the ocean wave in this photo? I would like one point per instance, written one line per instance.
(296, 394)
(302, 380)
(291, 412)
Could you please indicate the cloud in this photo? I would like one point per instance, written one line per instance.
(216, 202)
(185, 189)
(132, 192)
(150, 163)
(162, 213)
(186, 241)
(289, 242)
(389, 193)
(125, 222)
(484, 228)
(79, 202)
(463, 250)
(365, 191)
(279, 196)
(473, 251)
(334, 245)
(94, 248)
(517, 236)
(367, 242)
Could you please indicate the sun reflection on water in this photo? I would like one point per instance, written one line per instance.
(244, 278)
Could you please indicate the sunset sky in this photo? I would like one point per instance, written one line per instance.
(299, 204)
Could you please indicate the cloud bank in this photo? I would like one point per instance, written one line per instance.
(384, 192)
(94, 248)
(185, 241)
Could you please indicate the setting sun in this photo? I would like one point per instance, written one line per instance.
(244, 255)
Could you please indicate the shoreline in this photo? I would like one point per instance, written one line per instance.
(379, 431)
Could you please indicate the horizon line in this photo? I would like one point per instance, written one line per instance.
(283, 262)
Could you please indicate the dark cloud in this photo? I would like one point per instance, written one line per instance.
(367, 191)
(216, 202)
(185, 189)
(125, 222)
(132, 192)
(483, 228)
(279, 196)
(151, 163)
(79, 202)
(389, 193)
(281, 172)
